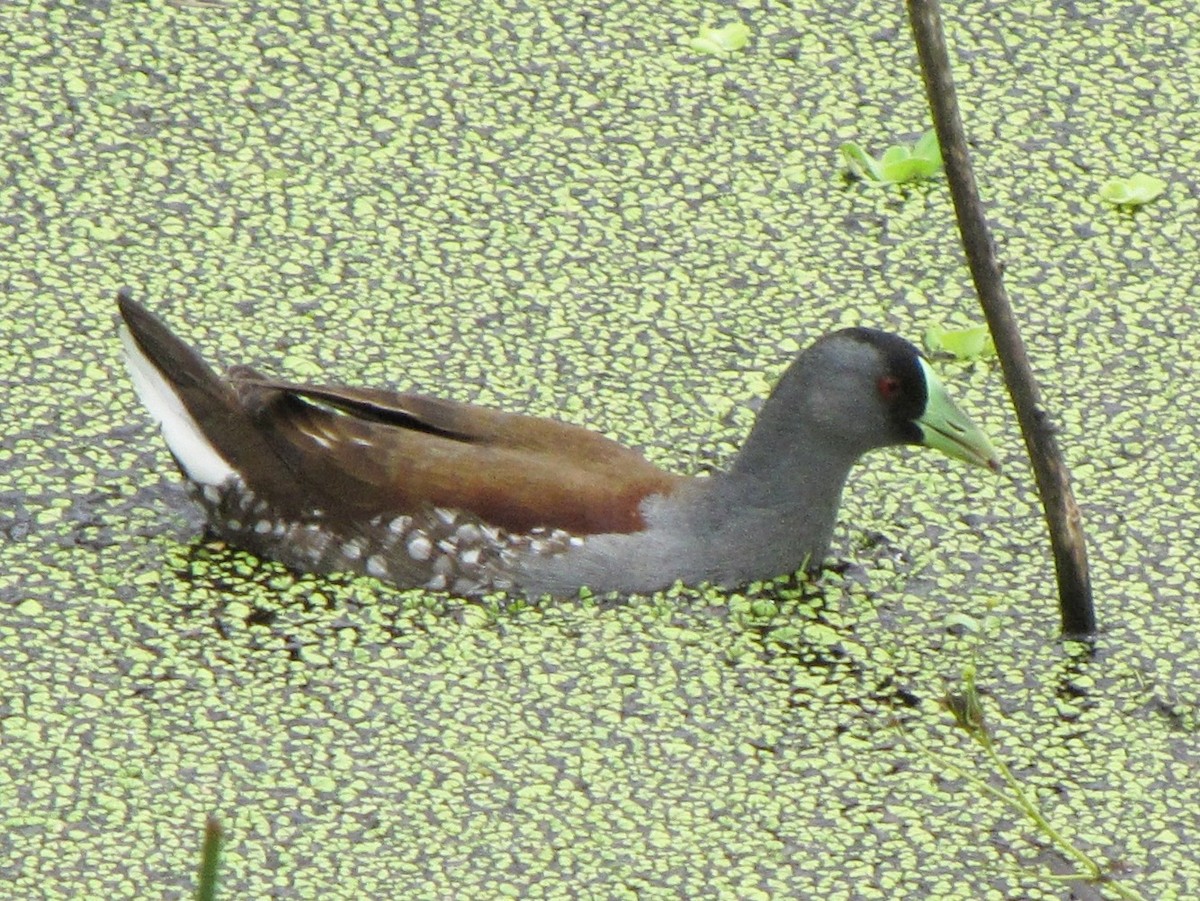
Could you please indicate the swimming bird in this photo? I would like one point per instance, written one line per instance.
(424, 492)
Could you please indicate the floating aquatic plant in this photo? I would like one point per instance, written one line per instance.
(721, 41)
(961, 343)
(1132, 191)
(900, 163)
(970, 715)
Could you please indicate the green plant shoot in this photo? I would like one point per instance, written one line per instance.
(899, 164)
(210, 857)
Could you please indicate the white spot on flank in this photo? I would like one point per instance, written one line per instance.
(377, 566)
(352, 550)
(263, 526)
(420, 547)
(319, 541)
(400, 524)
(468, 533)
(198, 457)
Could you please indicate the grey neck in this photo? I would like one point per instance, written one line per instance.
(775, 509)
(773, 512)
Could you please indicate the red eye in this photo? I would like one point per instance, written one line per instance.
(889, 387)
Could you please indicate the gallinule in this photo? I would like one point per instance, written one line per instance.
(449, 496)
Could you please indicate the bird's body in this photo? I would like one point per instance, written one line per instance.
(430, 493)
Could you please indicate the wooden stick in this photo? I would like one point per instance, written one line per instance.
(1053, 480)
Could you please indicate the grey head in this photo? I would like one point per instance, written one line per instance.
(850, 392)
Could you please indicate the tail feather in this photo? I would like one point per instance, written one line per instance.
(181, 391)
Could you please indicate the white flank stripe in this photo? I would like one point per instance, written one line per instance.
(198, 457)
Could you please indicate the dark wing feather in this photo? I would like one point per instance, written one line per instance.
(364, 452)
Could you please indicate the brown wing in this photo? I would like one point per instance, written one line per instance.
(366, 452)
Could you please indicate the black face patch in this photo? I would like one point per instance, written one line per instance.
(902, 362)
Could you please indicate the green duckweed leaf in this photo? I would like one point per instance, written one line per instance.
(963, 621)
(784, 635)
(961, 343)
(1133, 191)
(721, 41)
